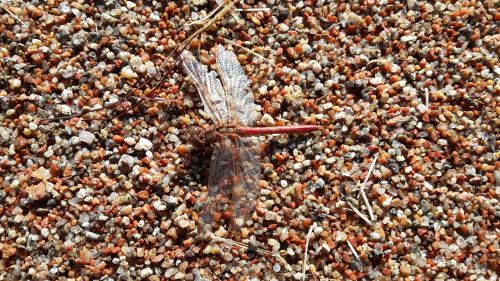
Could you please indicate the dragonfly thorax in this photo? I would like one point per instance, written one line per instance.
(201, 136)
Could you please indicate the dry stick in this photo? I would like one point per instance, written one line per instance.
(248, 50)
(362, 189)
(304, 261)
(253, 10)
(427, 97)
(213, 274)
(258, 250)
(354, 209)
(354, 251)
(12, 14)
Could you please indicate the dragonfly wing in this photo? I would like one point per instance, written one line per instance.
(219, 185)
(246, 179)
(232, 184)
(240, 101)
(209, 87)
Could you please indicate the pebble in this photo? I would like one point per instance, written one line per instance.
(15, 83)
(377, 81)
(128, 73)
(86, 137)
(267, 120)
(100, 193)
(126, 163)
(92, 235)
(145, 272)
(143, 144)
(64, 109)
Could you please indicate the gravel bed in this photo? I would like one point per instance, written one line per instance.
(111, 194)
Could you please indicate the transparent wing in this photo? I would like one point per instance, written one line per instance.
(219, 186)
(209, 87)
(233, 185)
(240, 102)
(246, 176)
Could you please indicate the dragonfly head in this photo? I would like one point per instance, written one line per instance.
(196, 136)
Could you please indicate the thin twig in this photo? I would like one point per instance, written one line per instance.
(253, 10)
(213, 274)
(12, 14)
(354, 251)
(354, 209)
(258, 250)
(305, 260)
(249, 51)
(362, 189)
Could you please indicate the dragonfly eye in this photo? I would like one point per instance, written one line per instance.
(196, 136)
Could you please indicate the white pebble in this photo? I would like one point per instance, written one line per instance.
(127, 73)
(15, 83)
(316, 67)
(377, 80)
(267, 120)
(422, 108)
(86, 137)
(283, 27)
(375, 235)
(145, 272)
(92, 235)
(276, 267)
(143, 144)
(408, 38)
(283, 183)
(129, 141)
(130, 5)
(64, 109)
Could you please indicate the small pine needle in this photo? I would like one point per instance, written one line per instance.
(12, 14)
(305, 264)
(362, 189)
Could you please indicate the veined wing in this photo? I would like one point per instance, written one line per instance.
(209, 87)
(219, 186)
(246, 177)
(232, 184)
(240, 101)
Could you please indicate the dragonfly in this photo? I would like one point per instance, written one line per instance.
(234, 170)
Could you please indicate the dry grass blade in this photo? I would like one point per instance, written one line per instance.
(305, 260)
(362, 189)
(258, 250)
(354, 251)
(254, 10)
(213, 275)
(354, 209)
(4, 6)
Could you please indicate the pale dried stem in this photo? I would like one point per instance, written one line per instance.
(253, 10)
(12, 14)
(249, 51)
(354, 251)
(258, 250)
(362, 189)
(305, 264)
(354, 209)
(213, 274)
